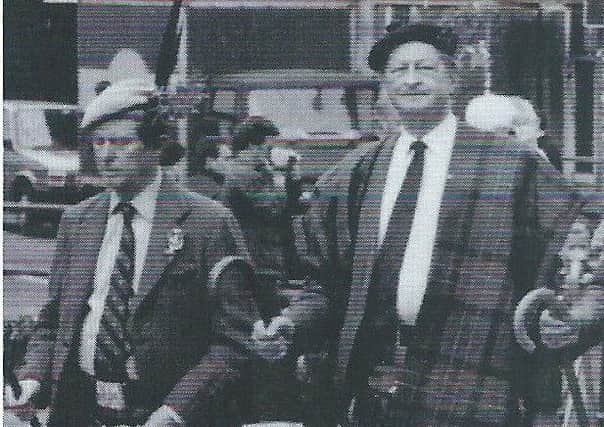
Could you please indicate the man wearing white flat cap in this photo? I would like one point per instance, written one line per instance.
(132, 333)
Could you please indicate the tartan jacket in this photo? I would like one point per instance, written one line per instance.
(504, 214)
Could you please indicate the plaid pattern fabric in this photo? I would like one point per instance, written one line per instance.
(501, 217)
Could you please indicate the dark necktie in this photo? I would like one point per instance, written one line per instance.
(113, 345)
(390, 258)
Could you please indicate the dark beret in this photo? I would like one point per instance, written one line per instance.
(442, 38)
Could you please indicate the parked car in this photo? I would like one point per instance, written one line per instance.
(41, 161)
(319, 114)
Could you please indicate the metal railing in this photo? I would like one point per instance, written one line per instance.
(17, 206)
(594, 177)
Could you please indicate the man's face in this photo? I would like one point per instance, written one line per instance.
(121, 159)
(416, 79)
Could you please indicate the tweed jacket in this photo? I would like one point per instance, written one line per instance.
(504, 213)
(190, 341)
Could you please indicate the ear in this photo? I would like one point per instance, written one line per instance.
(453, 71)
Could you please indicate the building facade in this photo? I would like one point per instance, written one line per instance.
(548, 52)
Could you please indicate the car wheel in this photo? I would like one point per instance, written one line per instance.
(22, 192)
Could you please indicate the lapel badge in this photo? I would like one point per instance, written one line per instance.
(131, 369)
(176, 241)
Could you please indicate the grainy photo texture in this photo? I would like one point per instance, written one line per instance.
(303, 213)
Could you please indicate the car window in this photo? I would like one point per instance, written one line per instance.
(32, 127)
(323, 111)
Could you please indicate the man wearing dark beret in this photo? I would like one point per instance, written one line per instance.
(133, 332)
(421, 243)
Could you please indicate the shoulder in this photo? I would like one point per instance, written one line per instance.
(500, 149)
(344, 169)
(360, 153)
(206, 217)
(93, 205)
(507, 157)
(211, 224)
(201, 204)
(191, 204)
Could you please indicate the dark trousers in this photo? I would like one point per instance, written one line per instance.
(75, 400)
(75, 404)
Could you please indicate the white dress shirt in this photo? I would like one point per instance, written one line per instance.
(413, 277)
(144, 202)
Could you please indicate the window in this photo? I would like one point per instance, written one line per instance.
(236, 40)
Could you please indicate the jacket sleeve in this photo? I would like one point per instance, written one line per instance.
(543, 220)
(557, 205)
(311, 239)
(39, 353)
(324, 240)
(589, 325)
(234, 313)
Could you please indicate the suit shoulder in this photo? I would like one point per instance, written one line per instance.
(344, 168)
(509, 149)
(499, 147)
(75, 212)
(360, 152)
(497, 144)
(201, 203)
(521, 156)
(524, 151)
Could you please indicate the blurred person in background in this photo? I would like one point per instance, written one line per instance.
(563, 321)
(262, 186)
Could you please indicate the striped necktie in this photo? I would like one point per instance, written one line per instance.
(113, 346)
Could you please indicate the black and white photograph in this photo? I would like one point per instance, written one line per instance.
(303, 213)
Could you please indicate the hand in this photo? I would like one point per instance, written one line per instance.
(164, 416)
(272, 342)
(584, 307)
(281, 325)
(302, 370)
(556, 333)
(28, 389)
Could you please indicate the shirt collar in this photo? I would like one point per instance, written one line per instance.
(438, 139)
(144, 202)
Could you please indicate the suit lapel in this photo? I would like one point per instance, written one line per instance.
(454, 217)
(456, 210)
(366, 249)
(171, 206)
(88, 241)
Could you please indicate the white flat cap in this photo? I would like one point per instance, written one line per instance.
(492, 113)
(118, 97)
